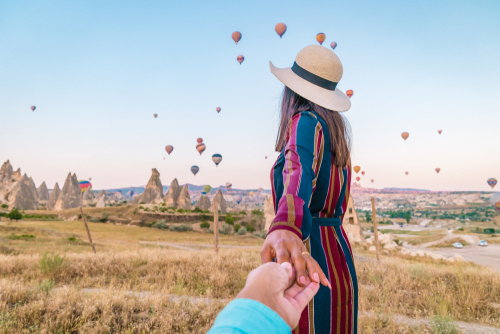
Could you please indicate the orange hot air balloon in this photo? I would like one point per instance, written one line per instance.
(438, 170)
(155, 115)
(363, 172)
(236, 36)
(406, 173)
(320, 38)
(357, 169)
(349, 93)
(218, 109)
(280, 29)
(440, 131)
(372, 180)
(200, 147)
(240, 59)
(169, 149)
(405, 135)
(199, 140)
(358, 178)
(333, 45)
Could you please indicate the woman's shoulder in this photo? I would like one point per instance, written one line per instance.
(307, 117)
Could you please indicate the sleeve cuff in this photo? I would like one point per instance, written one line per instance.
(285, 226)
(247, 316)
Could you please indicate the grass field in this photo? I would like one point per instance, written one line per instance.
(45, 293)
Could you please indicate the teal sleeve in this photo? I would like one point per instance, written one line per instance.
(247, 316)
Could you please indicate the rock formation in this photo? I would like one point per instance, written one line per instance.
(24, 195)
(351, 224)
(172, 197)
(53, 197)
(269, 212)
(203, 203)
(184, 198)
(43, 193)
(221, 202)
(88, 196)
(101, 202)
(154, 190)
(71, 194)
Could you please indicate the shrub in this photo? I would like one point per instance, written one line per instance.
(257, 212)
(180, 210)
(489, 230)
(250, 228)
(162, 225)
(72, 238)
(181, 228)
(197, 210)
(226, 229)
(262, 235)
(51, 263)
(244, 213)
(14, 214)
(163, 204)
(229, 220)
(141, 208)
(236, 227)
(205, 225)
(46, 285)
(4, 206)
(25, 237)
(444, 325)
(242, 231)
(94, 220)
(142, 203)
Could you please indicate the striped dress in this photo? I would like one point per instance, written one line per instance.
(310, 197)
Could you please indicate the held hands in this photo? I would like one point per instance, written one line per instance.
(284, 246)
(273, 285)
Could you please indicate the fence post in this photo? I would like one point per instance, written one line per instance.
(375, 230)
(216, 227)
(88, 231)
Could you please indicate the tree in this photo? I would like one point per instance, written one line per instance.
(408, 218)
(15, 215)
(367, 216)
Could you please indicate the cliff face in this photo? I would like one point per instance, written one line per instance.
(153, 193)
(71, 194)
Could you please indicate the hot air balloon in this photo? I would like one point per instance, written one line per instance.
(363, 172)
(207, 188)
(320, 38)
(357, 169)
(280, 29)
(236, 36)
(237, 199)
(406, 173)
(260, 189)
(90, 179)
(217, 158)
(265, 157)
(333, 45)
(203, 192)
(251, 193)
(240, 59)
(131, 193)
(195, 169)
(372, 180)
(200, 147)
(33, 108)
(199, 140)
(163, 158)
(405, 135)
(229, 185)
(155, 115)
(492, 182)
(358, 178)
(440, 131)
(438, 170)
(218, 109)
(84, 185)
(349, 93)
(169, 149)
(495, 201)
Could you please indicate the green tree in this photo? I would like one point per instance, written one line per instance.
(408, 217)
(368, 217)
(14, 214)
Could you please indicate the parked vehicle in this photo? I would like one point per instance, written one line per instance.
(483, 243)
(458, 245)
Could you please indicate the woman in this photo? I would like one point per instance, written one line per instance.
(310, 180)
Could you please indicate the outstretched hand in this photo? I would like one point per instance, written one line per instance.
(273, 285)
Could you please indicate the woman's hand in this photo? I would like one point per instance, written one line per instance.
(270, 285)
(285, 246)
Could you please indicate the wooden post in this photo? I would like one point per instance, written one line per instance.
(375, 231)
(216, 226)
(88, 231)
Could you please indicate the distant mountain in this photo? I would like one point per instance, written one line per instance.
(405, 189)
(191, 187)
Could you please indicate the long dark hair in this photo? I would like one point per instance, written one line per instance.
(338, 127)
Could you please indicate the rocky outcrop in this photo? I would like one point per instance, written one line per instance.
(24, 196)
(269, 213)
(221, 202)
(71, 194)
(88, 196)
(203, 203)
(184, 198)
(43, 193)
(101, 202)
(154, 190)
(172, 197)
(53, 197)
(33, 187)
(101, 194)
(351, 224)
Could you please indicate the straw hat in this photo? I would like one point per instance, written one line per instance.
(314, 76)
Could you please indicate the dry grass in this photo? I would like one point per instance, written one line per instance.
(450, 242)
(423, 239)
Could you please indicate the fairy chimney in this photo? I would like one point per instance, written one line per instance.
(184, 198)
(203, 203)
(269, 213)
(172, 197)
(43, 193)
(23, 196)
(88, 196)
(53, 197)
(153, 193)
(71, 194)
(221, 202)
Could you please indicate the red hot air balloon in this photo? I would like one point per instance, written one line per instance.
(266, 156)
(406, 173)
(155, 115)
(372, 180)
(240, 59)
(358, 178)
(349, 93)
(33, 108)
(320, 38)
(218, 109)
(280, 29)
(405, 135)
(163, 158)
(440, 131)
(236, 36)
(438, 170)
(363, 172)
(169, 149)
(200, 147)
(199, 140)
(333, 45)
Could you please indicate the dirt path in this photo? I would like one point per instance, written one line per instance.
(190, 246)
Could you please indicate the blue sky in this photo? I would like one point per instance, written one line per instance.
(98, 71)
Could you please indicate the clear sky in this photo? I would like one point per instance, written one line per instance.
(97, 71)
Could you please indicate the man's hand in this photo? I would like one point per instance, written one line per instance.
(285, 246)
(273, 285)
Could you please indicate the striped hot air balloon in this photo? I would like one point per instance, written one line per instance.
(349, 93)
(195, 169)
(237, 199)
(200, 147)
(84, 184)
(217, 158)
(240, 59)
(33, 108)
(228, 186)
(495, 201)
(320, 38)
(236, 36)
(492, 182)
(280, 29)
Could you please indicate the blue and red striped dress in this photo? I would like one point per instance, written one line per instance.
(310, 197)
